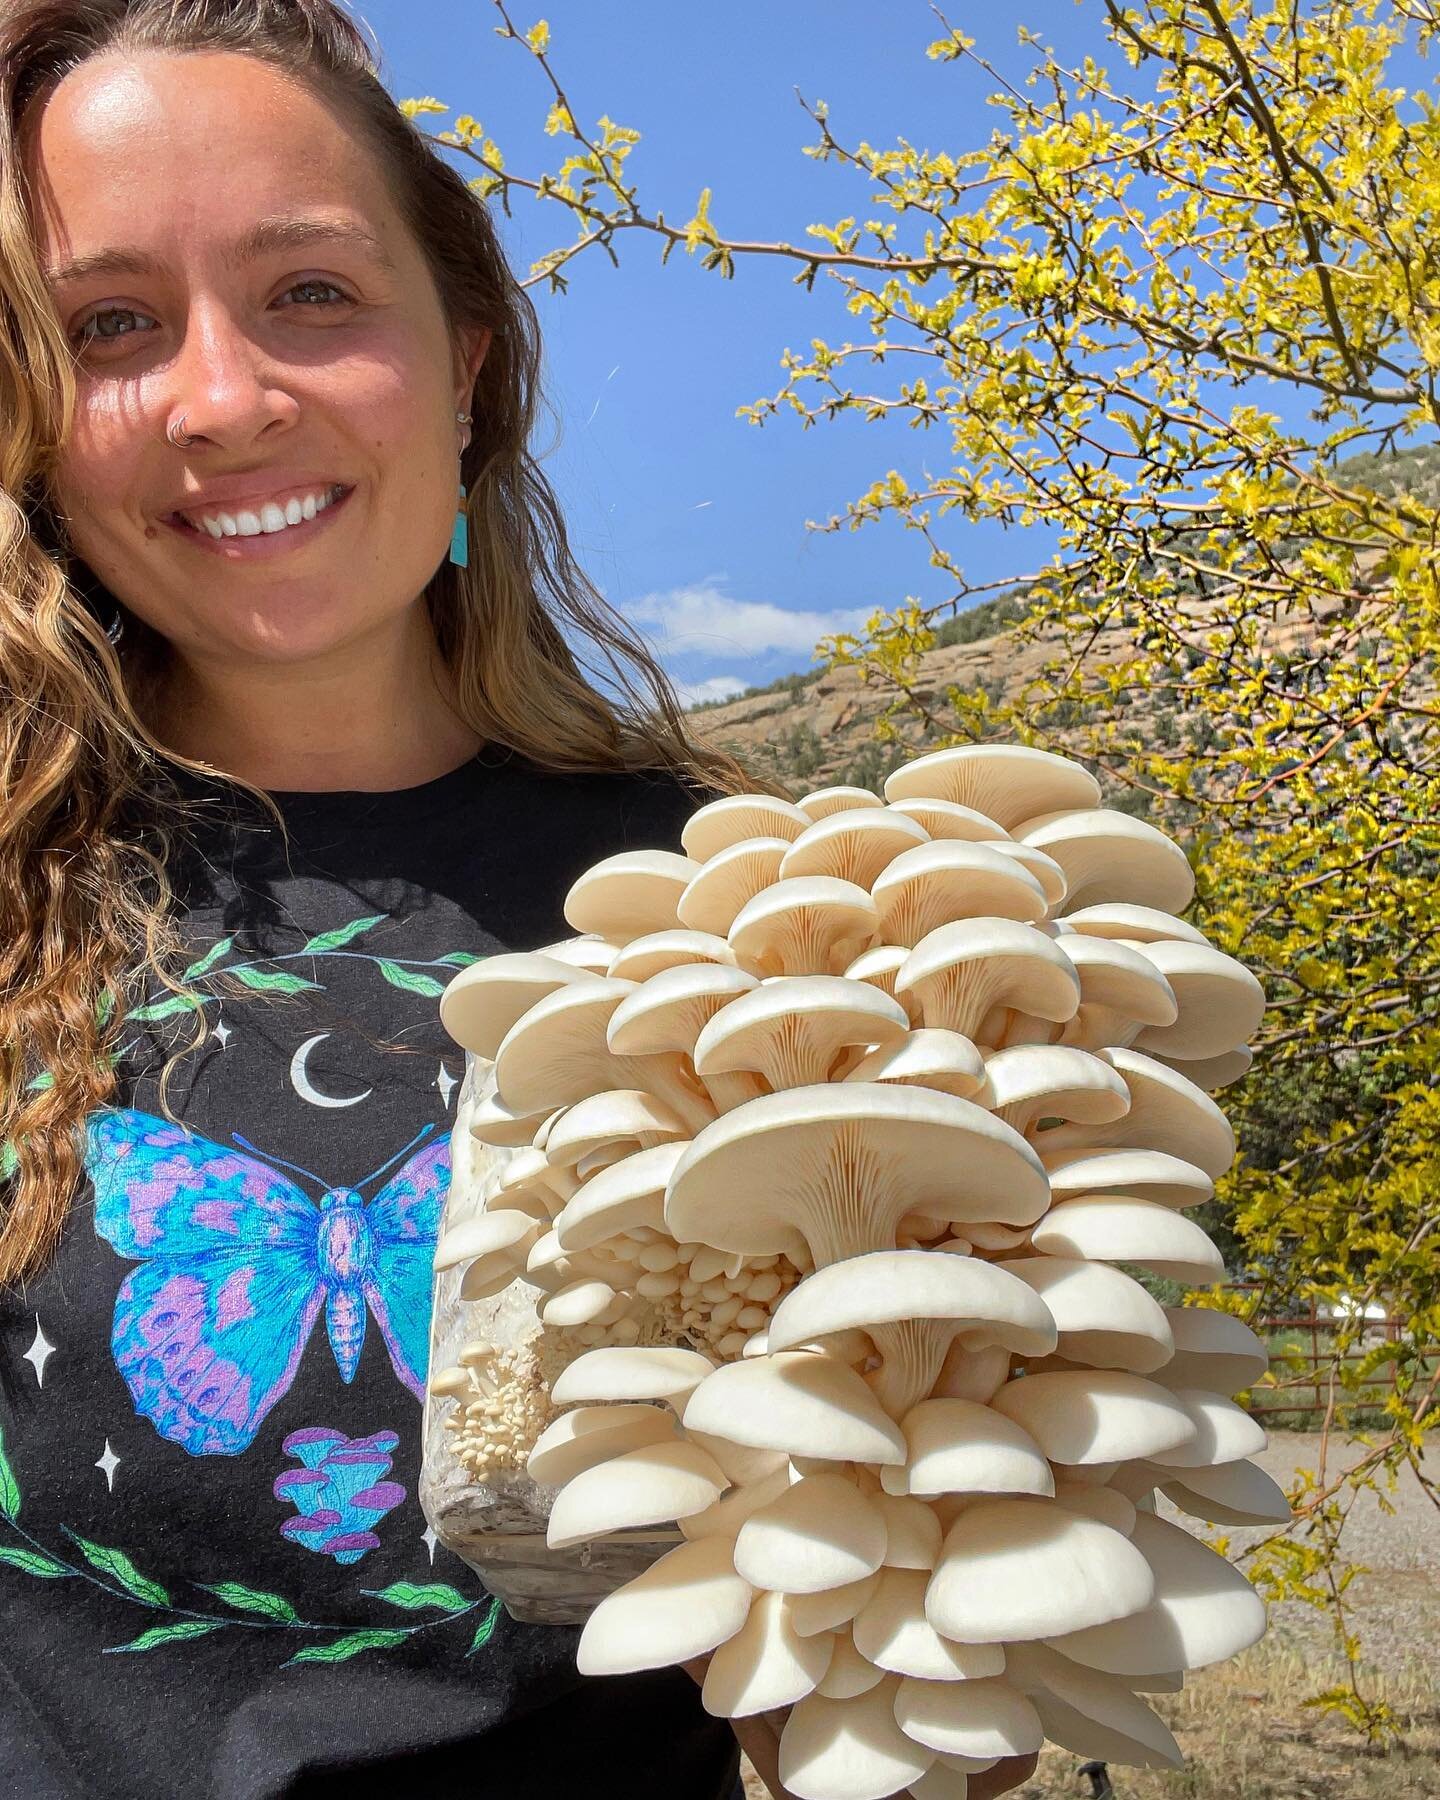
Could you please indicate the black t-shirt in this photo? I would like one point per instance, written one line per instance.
(215, 1578)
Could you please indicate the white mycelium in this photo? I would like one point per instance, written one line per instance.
(823, 1141)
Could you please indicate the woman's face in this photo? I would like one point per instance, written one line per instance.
(258, 280)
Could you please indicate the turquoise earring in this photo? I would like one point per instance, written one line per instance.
(460, 536)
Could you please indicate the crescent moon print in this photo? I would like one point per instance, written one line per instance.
(306, 1089)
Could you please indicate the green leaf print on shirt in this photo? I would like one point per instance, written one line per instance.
(114, 1572)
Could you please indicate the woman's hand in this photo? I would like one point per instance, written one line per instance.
(759, 1737)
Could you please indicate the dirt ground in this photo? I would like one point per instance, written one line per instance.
(1245, 1729)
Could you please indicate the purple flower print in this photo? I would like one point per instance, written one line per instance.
(339, 1492)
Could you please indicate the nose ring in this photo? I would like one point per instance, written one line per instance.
(176, 434)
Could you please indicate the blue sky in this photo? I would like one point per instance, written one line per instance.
(688, 519)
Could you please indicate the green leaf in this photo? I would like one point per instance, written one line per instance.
(166, 1634)
(459, 959)
(42, 1081)
(162, 1009)
(209, 959)
(9, 1161)
(273, 981)
(344, 1648)
(253, 1600)
(118, 1566)
(415, 1595)
(410, 980)
(32, 1562)
(9, 1486)
(485, 1630)
(342, 934)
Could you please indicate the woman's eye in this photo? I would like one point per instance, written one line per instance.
(94, 330)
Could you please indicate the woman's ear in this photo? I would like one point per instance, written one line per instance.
(469, 357)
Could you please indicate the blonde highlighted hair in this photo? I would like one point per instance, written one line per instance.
(90, 815)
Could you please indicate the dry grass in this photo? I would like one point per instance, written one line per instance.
(1247, 1736)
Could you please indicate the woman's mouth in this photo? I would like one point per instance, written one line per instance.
(263, 530)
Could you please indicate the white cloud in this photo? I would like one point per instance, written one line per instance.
(713, 687)
(700, 621)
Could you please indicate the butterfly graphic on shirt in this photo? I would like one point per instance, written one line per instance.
(236, 1261)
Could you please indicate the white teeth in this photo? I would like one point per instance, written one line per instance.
(270, 517)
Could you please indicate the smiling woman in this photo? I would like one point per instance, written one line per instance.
(304, 704)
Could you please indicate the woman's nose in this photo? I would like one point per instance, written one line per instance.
(225, 383)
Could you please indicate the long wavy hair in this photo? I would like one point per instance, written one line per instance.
(90, 813)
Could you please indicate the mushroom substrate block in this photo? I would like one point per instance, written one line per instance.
(814, 1167)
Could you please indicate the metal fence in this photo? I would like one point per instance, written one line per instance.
(1299, 1377)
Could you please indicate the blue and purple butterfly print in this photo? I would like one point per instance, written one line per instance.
(235, 1263)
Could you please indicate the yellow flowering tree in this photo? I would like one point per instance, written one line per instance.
(1182, 310)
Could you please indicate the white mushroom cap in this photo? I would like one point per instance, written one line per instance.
(970, 1373)
(644, 957)
(804, 1404)
(484, 1235)
(482, 1002)
(1167, 1111)
(793, 1029)
(1110, 1228)
(1096, 1415)
(832, 1608)
(492, 1122)
(912, 1532)
(767, 1664)
(734, 817)
(853, 845)
(934, 883)
(610, 1125)
(1006, 782)
(578, 1440)
(1141, 1174)
(721, 886)
(557, 1054)
(928, 1058)
(627, 895)
(1116, 983)
(645, 1486)
(815, 925)
(1104, 1317)
(879, 967)
(627, 1196)
(1117, 919)
(892, 1630)
(962, 1447)
(821, 1533)
(956, 824)
(848, 1672)
(669, 1010)
(685, 1604)
(924, 1302)
(450, 1383)
(585, 1301)
(1232, 1493)
(1089, 1713)
(977, 1718)
(835, 1168)
(1043, 868)
(1054, 1081)
(1097, 1501)
(822, 803)
(631, 1373)
(958, 972)
(589, 951)
(1021, 1568)
(849, 1749)
(1110, 856)
(1204, 1610)
(1224, 1432)
(1213, 1350)
(1221, 1002)
(1212, 1072)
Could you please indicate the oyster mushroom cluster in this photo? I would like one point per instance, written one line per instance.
(832, 1140)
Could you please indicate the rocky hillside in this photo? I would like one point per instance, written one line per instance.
(812, 729)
